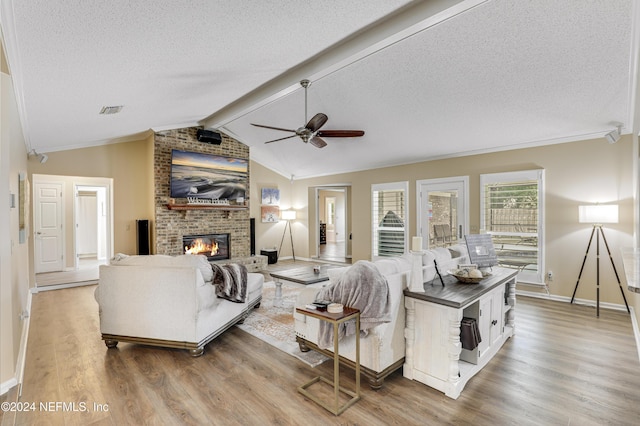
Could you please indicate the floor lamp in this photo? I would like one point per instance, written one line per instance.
(288, 215)
(597, 215)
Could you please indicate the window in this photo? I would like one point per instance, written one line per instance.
(511, 210)
(389, 219)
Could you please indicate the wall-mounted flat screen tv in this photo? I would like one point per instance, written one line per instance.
(207, 176)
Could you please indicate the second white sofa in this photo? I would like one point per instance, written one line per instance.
(167, 301)
(382, 351)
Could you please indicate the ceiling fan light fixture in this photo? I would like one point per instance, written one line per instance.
(311, 133)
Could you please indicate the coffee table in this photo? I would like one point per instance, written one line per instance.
(304, 276)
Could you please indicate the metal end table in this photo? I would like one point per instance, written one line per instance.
(335, 319)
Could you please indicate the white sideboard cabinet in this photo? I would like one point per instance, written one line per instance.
(434, 353)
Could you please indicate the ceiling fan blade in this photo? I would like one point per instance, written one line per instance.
(274, 128)
(281, 139)
(317, 142)
(340, 133)
(317, 121)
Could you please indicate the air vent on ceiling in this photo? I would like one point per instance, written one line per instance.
(111, 109)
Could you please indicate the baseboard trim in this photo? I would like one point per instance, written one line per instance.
(22, 352)
(8, 385)
(24, 339)
(587, 302)
(61, 286)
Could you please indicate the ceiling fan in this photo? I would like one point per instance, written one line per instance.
(311, 132)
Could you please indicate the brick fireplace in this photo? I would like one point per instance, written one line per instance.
(171, 226)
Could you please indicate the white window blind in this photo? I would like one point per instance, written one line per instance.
(389, 219)
(511, 210)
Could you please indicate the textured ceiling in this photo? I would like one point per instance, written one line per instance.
(423, 79)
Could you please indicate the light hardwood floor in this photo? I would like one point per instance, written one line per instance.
(564, 366)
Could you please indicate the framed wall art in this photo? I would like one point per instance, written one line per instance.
(270, 214)
(199, 175)
(270, 196)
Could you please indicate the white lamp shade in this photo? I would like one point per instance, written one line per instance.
(288, 215)
(598, 214)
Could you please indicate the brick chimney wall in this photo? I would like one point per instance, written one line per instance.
(171, 225)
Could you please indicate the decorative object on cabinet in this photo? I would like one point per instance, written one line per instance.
(597, 215)
(481, 250)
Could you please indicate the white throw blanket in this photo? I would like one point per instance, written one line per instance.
(363, 287)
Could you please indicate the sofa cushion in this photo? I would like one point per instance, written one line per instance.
(254, 282)
(442, 255)
(194, 260)
(393, 265)
(458, 250)
(428, 258)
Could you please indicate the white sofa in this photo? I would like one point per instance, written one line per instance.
(167, 301)
(382, 351)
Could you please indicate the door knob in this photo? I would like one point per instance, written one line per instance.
(494, 322)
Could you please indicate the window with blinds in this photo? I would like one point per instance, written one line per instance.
(389, 219)
(511, 210)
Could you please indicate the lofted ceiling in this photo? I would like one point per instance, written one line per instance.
(423, 79)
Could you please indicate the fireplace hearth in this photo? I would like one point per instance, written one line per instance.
(214, 246)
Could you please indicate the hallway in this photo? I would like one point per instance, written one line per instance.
(334, 252)
(87, 273)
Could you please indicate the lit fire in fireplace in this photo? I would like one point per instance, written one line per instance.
(200, 246)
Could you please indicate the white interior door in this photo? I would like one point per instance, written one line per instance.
(48, 236)
(331, 219)
(87, 224)
(443, 214)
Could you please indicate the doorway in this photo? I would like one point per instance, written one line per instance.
(332, 231)
(90, 226)
(82, 209)
(443, 217)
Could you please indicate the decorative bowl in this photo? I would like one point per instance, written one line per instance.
(463, 276)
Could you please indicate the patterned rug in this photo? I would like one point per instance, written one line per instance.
(274, 324)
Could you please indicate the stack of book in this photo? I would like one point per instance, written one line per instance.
(469, 333)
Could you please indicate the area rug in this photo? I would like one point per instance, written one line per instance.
(275, 324)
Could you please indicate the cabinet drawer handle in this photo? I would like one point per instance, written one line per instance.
(494, 322)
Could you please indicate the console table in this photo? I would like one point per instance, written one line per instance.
(434, 353)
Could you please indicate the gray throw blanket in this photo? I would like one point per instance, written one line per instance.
(363, 287)
(230, 281)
